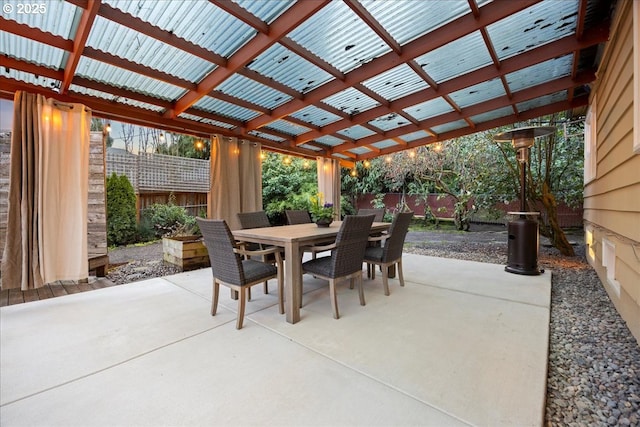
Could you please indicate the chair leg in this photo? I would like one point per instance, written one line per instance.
(214, 299)
(234, 293)
(281, 291)
(360, 288)
(400, 275)
(351, 282)
(334, 298)
(266, 287)
(248, 294)
(385, 278)
(241, 303)
(373, 271)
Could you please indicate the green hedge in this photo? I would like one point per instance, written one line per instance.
(121, 211)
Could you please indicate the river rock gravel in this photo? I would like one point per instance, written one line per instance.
(594, 361)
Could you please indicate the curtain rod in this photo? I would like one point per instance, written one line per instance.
(70, 106)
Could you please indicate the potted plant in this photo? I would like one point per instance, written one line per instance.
(185, 248)
(321, 213)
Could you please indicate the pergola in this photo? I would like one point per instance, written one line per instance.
(341, 79)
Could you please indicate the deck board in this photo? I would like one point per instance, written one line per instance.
(51, 290)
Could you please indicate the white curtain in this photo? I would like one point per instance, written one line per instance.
(236, 179)
(329, 181)
(48, 191)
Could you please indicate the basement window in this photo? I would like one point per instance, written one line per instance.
(609, 263)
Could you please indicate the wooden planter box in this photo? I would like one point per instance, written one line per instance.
(186, 252)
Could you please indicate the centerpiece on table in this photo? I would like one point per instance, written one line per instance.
(321, 213)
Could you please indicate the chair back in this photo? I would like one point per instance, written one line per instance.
(225, 263)
(377, 213)
(256, 219)
(297, 217)
(398, 231)
(351, 243)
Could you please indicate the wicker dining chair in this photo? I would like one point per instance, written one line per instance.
(230, 269)
(257, 219)
(297, 217)
(378, 213)
(345, 261)
(390, 253)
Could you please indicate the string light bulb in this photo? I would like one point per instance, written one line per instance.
(305, 164)
(108, 128)
(263, 155)
(412, 154)
(387, 159)
(199, 145)
(367, 164)
(437, 147)
(354, 173)
(286, 160)
(161, 137)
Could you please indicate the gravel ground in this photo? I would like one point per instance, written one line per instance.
(594, 361)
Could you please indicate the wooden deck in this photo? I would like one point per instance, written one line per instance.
(52, 290)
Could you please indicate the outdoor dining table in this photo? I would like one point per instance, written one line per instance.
(293, 238)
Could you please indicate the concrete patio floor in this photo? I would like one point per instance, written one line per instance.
(463, 343)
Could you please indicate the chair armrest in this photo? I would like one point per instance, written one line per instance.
(320, 248)
(272, 250)
(379, 238)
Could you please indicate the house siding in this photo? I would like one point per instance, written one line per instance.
(612, 199)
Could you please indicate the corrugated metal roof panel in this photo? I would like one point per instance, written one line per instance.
(337, 35)
(415, 135)
(206, 120)
(458, 124)
(266, 136)
(311, 147)
(199, 22)
(119, 77)
(341, 156)
(491, 115)
(329, 140)
(351, 101)
(58, 17)
(288, 127)
(266, 11)
(406, 20)
(315, 116)
(117, 99)
(29, 78)
(539, 24)
(540, 73)
(390, 121)
(22, 48)
(126, 43)
(252, 91)
(543, 100)
(360, 150)
(396, 83)
(385, 144)
(286, 67)
(478, 93)
(224, 108)
(356, 132)
(459, 57)
(430, 108)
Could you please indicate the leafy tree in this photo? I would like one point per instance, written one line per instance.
(287, 184)
(177, 144)
(98, 125)
(121, 211)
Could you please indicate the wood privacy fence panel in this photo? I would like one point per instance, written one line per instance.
(123, 164)
(192, 202)
(97, 214)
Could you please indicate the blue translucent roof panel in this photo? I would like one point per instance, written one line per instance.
(29, 78)
(433, 107)
(360, 150)
(199, 22)
(126, 79)
(478, 93)
(310, 147)
(542, 101)
(449, 126)
(58, 17)
(330, 140)
(406, 20)
(356, 132)
(396, 83)
(540, 73)
(459, 57)
(266, 11)
(351, 101)
(266, 136)
(415, 135)
(113, 98)
(341, 156)
(124, 42)
(286, 67)
(337, 35)
(206, 120)
(384, 144)
(315, 116)
(491, 115)
(539, 24)
(20, 47)
(224, 108)
(390, 121)
(252, 91)
(289, 128)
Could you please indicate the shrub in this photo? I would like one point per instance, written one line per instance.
(121, 211)
(169, 220)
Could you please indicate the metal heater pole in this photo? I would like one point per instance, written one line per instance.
(523, 182)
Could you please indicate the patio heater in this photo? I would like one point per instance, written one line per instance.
(523, 243)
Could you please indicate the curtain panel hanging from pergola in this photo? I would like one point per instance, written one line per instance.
(329, 181)
(48, 191)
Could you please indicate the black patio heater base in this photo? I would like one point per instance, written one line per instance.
(523, 245)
